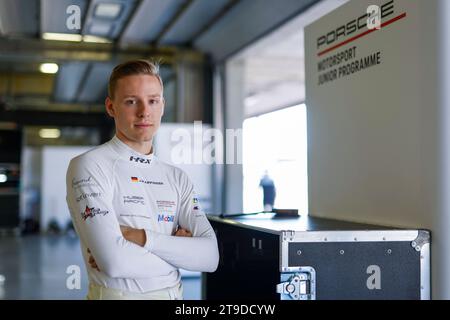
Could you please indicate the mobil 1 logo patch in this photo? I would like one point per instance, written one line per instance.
(374, 280)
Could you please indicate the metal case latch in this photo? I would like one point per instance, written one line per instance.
(297, 285)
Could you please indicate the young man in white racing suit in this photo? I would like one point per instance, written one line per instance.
(138, 218)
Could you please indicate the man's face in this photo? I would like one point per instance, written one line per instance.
(137, 107)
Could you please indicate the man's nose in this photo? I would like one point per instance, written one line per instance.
(144, 110)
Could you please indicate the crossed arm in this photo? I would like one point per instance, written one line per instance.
(124, 252)
(138, 237)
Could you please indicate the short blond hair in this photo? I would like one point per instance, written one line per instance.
(133, 67)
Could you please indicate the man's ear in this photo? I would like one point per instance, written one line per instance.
(109, 107)
(163, 106)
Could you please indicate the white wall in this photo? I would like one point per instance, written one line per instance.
(30, 184)
(440, 211)
(378, 139)
(234, 118)
(55, 160)
(200, 173)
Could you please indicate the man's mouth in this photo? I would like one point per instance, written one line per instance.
(143, 125)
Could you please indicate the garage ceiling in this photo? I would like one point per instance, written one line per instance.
(123, 29)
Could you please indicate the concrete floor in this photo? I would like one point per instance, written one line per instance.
(34, 267)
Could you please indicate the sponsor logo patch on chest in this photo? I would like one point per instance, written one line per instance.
(140, 160)
(166, 205)
(137, 179)
(165, 218)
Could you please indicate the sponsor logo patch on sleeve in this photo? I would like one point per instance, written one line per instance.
(92, 212)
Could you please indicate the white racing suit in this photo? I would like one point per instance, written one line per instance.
(114, 185)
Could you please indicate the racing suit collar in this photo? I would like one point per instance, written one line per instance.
(131, 155)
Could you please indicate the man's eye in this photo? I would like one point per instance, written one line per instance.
(154, 101)
(130, 102)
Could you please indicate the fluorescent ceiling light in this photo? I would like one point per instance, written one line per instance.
(3, 178)
(88, 38)
(62, 36)
(101, 29)
(49, 68)
(49, 133)
(74, 37)
(108, 10)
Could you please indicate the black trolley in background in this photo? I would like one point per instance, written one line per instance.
(266, 256)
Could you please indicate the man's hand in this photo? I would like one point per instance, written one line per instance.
(91, 261)
(183, 233)
(136, 236)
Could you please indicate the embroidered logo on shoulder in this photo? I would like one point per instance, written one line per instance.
(140, 160)
(165, 218)
(85, 196)
(195, 200)
(84, 182)
(92, 212)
